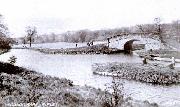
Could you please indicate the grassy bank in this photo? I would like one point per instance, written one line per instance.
(19, 86)
(95, 49)
(149, 73)
(2, 51)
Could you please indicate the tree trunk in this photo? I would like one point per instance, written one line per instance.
(30, 42)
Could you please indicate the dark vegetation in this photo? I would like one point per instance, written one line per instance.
(10, 69)
(148, 73)
(4, 43)
(4, 40)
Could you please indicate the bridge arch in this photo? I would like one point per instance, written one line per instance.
(128, 46)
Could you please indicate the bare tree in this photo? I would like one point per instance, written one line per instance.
(159, 28)
(115, 88)
(158, 24)
(4, 41)
(3, 28)
(82, 35)
(140, 27)
(53, 37)
(175, 29)
(31, 32)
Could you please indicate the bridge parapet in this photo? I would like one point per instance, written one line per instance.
(149, 41)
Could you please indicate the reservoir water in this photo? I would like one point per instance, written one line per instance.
(78, 69)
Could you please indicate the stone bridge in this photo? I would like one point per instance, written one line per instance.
(128, 46)
(126, 42)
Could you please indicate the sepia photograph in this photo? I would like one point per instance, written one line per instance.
(89, 53)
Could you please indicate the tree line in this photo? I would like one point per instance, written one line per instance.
(164, 30)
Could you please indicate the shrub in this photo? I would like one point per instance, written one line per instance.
(4, 43)
(116, 98)
(12, 60)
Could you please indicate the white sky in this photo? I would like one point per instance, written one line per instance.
(65, 15)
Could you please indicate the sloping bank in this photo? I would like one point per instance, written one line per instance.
(149, 73)
(163, 53)
(95, 49)
(23, 88)
(2, 51)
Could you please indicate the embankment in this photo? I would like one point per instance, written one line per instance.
(148, 73)
(95, 49)
(2, 51)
